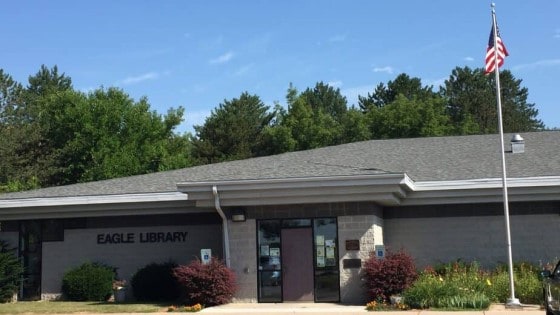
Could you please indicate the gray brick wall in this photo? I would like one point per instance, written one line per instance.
(482, 238)
(243, 246)
(81, 245)
(368, 229)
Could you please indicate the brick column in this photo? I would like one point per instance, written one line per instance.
(243, 244)
(368, 229)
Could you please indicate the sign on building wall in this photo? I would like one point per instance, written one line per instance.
(142, 237)
(205, 255)
(380, 251)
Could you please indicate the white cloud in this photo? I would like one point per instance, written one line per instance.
(337, 38)
(538, 64)
(386, 69)
(139, 78)
(469, 59)
(244, 70)
(436, 83)
(352, 93)
(335, 84)
(223, 58)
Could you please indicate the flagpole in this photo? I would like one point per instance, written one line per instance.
(512, 301)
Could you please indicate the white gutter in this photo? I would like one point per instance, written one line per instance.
(224, 224)
(91, 200)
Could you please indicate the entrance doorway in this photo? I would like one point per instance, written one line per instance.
(297, 264)
(298, 260)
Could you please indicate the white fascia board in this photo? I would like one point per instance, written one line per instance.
(292, 183)
(300, 190)
(91, 200)
(486, 183)
(382, 199)
(484, 190)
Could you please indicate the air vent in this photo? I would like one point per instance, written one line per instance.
(517, 144)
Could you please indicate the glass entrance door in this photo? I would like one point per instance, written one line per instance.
(31, 252)
(281, 251)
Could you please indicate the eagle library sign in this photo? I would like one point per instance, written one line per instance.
(142, 237)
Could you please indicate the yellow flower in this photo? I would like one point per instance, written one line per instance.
(488, 282)
(440, 279)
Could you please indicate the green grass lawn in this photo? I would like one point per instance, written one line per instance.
(54, 307)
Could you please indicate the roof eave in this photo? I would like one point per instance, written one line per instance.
(384, 189)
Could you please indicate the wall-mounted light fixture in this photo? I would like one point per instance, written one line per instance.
(238, 214)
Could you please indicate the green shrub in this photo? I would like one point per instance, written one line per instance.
(155, 283)
(464, 300)
(424, 291)
(498, 290)
(389, 275)
(207, 284)
(528, 287)
(458, 285)
(10, 272)
(88, 282)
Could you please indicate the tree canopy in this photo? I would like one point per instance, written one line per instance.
(52, 134)
(233, 131)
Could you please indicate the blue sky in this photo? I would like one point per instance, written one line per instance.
(195, 54)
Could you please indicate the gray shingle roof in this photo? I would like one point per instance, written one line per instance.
(423, 159)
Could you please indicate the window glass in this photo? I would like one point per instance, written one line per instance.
(270, 286)
(326, 260)
(326, 286)
(269, 255)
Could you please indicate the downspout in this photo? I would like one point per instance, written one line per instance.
(224, 224)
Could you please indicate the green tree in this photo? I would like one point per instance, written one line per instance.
(278, 136)
(11, 272)
(17, 138)
(471, 103)
(234, 130)
(326, 99)
(355, 126)
(51, 134)
(386, 94)
(48, 80)
(315, 118)
(404, 118)
(29, 154)
(106, 134)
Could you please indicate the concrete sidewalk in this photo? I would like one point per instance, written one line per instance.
(328, 308)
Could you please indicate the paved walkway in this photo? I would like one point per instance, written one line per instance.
(326, 308)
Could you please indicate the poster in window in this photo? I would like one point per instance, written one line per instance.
(320, 261)
(329, 243)
(330, 252)
(320, 240)
(274, 252)
(265, 250)
(320, 251)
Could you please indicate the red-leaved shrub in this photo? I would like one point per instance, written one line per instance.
(389, 275)
(207, 284)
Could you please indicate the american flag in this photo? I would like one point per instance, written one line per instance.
(490, 57)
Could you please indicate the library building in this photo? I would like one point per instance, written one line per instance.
(299, 226)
